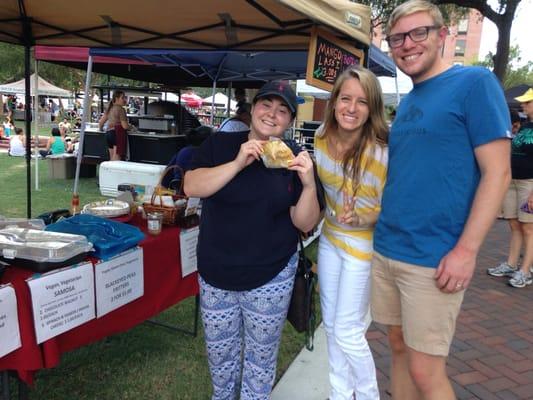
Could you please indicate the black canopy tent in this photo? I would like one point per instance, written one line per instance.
(246, 25)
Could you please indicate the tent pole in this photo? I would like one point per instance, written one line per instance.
(75, 203)
(27, 127)
(213, 108)
(228, 106)
(36, 121)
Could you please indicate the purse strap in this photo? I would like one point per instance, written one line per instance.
(311, 277)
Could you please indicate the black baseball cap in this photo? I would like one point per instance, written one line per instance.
(280, 89)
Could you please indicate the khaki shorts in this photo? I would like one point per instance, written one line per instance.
(406, 295)
(516, 195)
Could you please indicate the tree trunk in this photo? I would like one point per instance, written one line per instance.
(501, 58)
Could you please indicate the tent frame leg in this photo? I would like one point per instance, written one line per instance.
(175, 328)
(23, 390)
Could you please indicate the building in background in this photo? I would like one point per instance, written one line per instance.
(462, 43)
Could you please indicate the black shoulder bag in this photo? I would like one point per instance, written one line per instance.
(302, 315)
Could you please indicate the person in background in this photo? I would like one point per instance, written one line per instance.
(240, 122)
(65, 124)
(351, 156)
(447, 176)
(184, 157)
(516, 122)
(518, 203)
(17, 144)
(66, 138)
(247, 244)
(55, 144)
(117, 125)
(240, 97)
(8, 127)
(54, 109)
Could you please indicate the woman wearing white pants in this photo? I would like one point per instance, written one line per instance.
(351, 156)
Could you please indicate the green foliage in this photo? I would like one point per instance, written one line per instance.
(12, 62)
(516, 72)
(381, 11)
(72, 79)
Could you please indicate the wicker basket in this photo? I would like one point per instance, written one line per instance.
(170, 214)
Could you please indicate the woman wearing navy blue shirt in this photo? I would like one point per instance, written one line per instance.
(247, 245)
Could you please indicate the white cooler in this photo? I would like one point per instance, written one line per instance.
(114, 173)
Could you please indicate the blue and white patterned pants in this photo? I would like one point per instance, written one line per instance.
(242, 334)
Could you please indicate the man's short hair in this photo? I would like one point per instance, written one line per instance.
(414, 6)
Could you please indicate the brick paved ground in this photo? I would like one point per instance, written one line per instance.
(492, 353)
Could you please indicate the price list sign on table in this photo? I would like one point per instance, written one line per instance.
(328, 57)
(62, 300)
(9, 325)
(119, 281)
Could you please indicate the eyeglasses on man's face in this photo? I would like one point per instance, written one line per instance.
(417, 35)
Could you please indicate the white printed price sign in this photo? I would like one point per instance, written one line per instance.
(119, 281)
(62, 300)
(9, 322)
(188, 244)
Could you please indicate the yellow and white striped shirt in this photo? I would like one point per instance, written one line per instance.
(356, 241)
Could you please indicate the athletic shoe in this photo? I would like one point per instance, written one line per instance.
(503, 269)
(520, 280)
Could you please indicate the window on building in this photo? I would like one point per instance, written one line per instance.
(462, 26)
(460, 46)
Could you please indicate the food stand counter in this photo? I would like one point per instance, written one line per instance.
(154, 148)
(164, 287)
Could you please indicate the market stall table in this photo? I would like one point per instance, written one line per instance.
(163, 287)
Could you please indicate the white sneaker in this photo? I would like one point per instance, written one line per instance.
(520, 280)
(504, 269)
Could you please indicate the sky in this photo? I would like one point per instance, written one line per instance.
(520, 34)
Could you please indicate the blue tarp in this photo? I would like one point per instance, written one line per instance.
(236, 66)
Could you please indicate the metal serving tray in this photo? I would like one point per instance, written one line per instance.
(41, 250)
(107, 208)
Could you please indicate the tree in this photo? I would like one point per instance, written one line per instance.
(502, 17)
(514, 75)
(12, 62)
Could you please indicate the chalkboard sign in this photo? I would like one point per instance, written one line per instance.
(328, 57)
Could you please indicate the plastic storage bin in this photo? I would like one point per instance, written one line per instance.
(114, 173)
(41, 251)
(108, 237)
(61, 166)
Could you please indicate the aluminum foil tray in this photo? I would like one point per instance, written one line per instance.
(41, 250)
(35, 223)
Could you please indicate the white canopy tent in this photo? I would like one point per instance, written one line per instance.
(45, 88)
(220, 100)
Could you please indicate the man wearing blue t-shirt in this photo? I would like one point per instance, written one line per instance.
(448, 173)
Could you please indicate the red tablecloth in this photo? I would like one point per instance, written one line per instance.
(163, 287)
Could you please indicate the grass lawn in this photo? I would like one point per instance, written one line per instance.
(147, 362)
(52, 193)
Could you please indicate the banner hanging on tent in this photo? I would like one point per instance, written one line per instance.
(328, 57)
